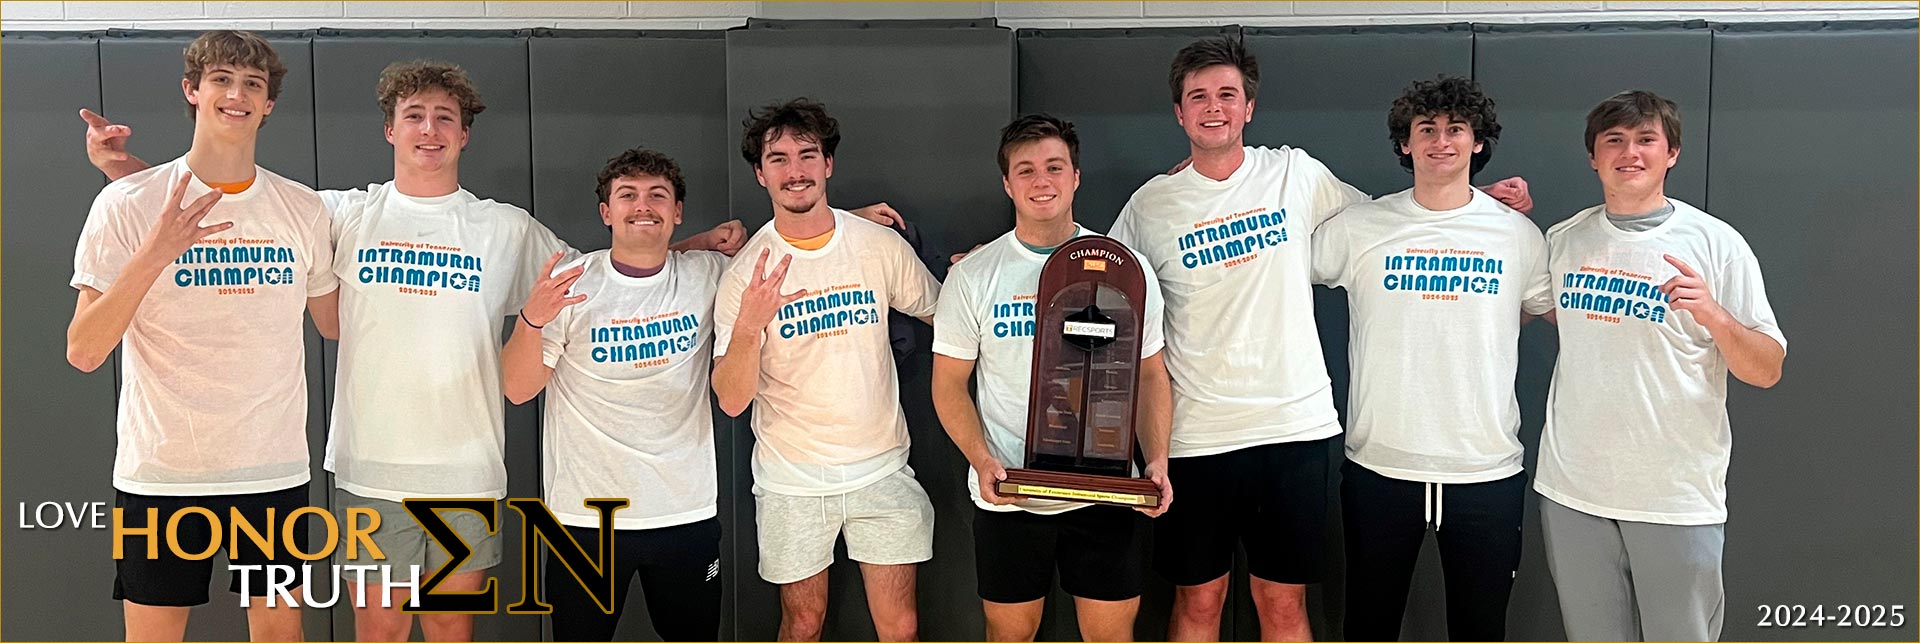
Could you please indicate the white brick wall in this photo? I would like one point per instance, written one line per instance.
(489, 14)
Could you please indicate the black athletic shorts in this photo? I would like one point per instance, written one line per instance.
(171, 581)
(1271, 499)
(679, 572)
(1100, 551)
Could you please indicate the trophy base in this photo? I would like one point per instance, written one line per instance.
(1080, 487)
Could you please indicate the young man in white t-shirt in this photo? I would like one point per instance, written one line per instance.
(213, 399)
(986, 320)
(430, 271)
(1439, 279)
(1253, 417)
(1657, 302)
(621, 341)
(807, 346)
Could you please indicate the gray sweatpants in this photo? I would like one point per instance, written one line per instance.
(1621, 580)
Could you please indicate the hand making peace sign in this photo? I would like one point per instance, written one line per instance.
(762, 298)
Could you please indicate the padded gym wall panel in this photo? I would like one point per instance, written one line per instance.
(140, 74)
(1112, 83)
(1327, 91)
(59, 422)
(1543, 80)
(1814, 164)
(670, 96)
(493, 166)
(919, 106)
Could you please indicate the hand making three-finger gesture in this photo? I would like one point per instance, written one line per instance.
(178, 228)
(550, 293)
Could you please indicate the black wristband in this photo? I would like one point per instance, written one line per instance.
(523, 320)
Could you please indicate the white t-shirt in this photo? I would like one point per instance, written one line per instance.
(1233, 261)
(213, 391)
(1435, 298)
(417, 408)
(986, 315)
(1637, 416)
(827, 419)
(626, 412)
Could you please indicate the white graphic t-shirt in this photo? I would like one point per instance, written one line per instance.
(1435, 298)
(827, 419)
(213, 391)
(627, 415)
(1233, 258)
(1637, 416)
(986, 315)
(427, 283)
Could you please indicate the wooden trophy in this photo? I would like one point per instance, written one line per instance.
(1086, 378)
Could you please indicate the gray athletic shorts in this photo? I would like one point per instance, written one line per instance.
(405, 543)
(889, 522)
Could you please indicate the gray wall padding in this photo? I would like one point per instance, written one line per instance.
(1797, 134)
(1544, 114)
(59, 434)
(1813, 161)
(1112, 84)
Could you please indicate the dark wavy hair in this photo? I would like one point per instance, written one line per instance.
(641, 162)
(803, 119)
(1454, 97)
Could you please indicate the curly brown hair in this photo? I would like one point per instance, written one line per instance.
(803, 119)
(1633, 108)
(1037, 127)
(237, 48)
(400, 80)
(1455, 97)
(641, 162)
(1208, 53)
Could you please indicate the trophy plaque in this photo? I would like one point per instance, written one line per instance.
(1086, 377)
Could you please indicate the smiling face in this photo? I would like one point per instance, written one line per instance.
(230, 99)
(1041, 180)
(1633, 160)
(642, 210)
(794, 171)
(1214, 108)
(1442, 148)
(426, 131)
